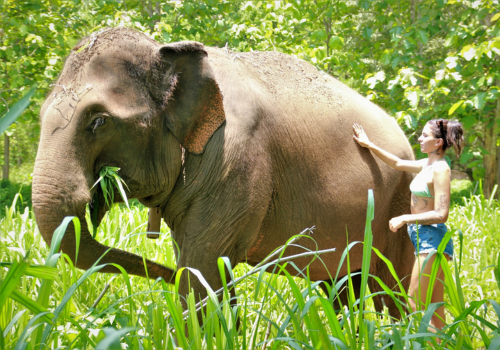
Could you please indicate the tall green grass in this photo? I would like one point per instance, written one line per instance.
(47, 303)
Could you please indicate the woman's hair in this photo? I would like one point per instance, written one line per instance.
(450, 131)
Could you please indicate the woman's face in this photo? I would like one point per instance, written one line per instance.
(428, 142)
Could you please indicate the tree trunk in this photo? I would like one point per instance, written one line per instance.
(6, 158)
(490, 159)
(414, 15)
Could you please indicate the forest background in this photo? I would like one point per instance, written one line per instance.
(417, 59)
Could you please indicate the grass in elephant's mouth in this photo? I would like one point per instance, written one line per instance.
(108, 180)
(63, 308)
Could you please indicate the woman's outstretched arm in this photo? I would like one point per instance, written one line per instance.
(388, 158)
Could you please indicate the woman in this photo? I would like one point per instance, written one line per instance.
(430, 202)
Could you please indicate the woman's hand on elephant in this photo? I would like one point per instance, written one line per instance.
(360, 136)
(396, 223)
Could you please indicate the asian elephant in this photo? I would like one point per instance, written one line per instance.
(241, 151)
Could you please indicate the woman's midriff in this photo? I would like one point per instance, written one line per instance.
(421, 204)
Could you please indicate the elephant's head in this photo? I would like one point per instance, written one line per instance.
(122, 100)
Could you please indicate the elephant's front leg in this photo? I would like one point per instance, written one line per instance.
(204, 259)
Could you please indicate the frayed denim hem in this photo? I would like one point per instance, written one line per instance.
(428, 251)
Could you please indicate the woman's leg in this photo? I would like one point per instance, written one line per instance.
(438, 321)
(416, 283)
(419, 284)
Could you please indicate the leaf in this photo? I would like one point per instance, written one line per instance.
(7, 286)
(440, 74)
(424, 37)
(16, 110)
(372, 81)
(367, 33)
(10, 325)
(410, 121)
(479, 100)
(118, 183)
(98, 180)
(413, 97)
(336, 42)
(457, 76)
(395, 62)
(364, 4)
(497, 271)
(495, 17)
(112, 338)
(320, 35)
(38, 271)
(455, 106)
(32, 305)
(451, 62)
(468, 52)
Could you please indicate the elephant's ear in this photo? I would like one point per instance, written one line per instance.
(190, 96)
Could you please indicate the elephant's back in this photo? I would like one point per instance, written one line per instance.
(300, 100)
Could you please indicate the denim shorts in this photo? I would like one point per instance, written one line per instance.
(429, 238)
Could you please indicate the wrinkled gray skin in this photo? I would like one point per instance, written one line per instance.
(241, 151)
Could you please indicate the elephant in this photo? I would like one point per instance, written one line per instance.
(239, 150)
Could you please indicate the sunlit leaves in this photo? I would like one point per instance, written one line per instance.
(336, 42)
(449, 49)
(372, 80)
(455, 106)
(438, 58)
(479, 100)
(413, 96)
(468, 52)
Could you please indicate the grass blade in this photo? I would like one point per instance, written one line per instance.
(7, 286)
(111, 340)
(38, 271)
(31, 305)
(365, 267)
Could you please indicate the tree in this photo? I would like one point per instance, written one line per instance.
(29, 48)
(7, 119)
(417, 59)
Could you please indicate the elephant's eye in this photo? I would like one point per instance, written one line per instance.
(97, 123)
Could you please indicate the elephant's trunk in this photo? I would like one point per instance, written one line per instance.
(60, 189)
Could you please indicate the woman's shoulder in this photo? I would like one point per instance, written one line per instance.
(423, 162)
(441, 166)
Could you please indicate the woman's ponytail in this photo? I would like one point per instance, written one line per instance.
(450, 131)
(455, 136)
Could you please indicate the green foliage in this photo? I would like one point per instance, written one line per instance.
(280, 311)
(421, 60)
(461, 190)
(12, 192)
(416, 59)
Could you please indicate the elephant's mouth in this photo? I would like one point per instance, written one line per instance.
(97, 208)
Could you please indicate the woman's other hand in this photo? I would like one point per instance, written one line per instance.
(396, 223)
(360, 136)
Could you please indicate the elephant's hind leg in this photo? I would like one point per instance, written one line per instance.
(399, 252)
